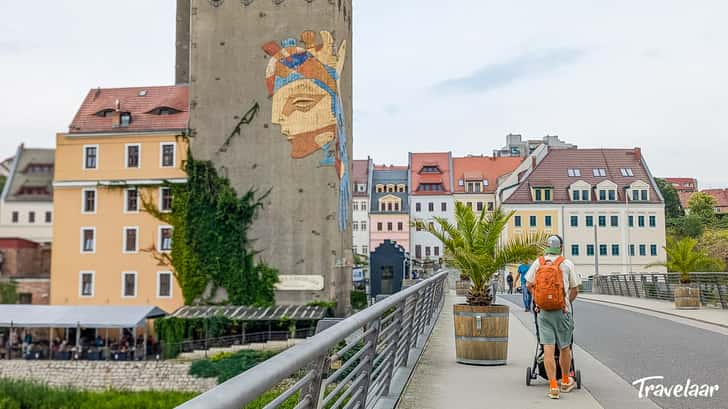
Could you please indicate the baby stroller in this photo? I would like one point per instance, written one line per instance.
(539, 369)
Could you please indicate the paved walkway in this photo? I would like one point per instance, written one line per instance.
(706, 315)
(439, 382)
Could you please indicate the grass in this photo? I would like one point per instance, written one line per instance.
(228, 365)
(16, 394)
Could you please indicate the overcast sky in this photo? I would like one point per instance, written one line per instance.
(428, 76)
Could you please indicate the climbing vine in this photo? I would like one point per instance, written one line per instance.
(210, 244)
(8, 292)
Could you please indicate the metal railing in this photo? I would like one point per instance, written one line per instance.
(173, 349)
(349, 365)
(713, 286)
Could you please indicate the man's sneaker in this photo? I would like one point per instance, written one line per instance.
(568, 387)
(554, 393)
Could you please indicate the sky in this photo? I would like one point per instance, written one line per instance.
(428, 76)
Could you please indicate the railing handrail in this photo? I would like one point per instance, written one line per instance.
(246, 387)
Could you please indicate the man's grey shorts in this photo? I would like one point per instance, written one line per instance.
(555, 327)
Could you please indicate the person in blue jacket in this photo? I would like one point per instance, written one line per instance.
(522, 270)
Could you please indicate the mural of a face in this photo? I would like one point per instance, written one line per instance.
(303, 82)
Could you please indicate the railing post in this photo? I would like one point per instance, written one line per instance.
(368, 367)
(406, 338)
(720, 292)
(313, 391)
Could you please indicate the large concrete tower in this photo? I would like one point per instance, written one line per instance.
(271, 106)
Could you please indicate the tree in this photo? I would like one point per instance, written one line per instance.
(8, 292)
(715, 243)
(688, 226)
(703, 205)
(684, 257)
(474, 246)
(673, 207)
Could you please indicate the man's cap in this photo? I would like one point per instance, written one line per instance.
(553, 245)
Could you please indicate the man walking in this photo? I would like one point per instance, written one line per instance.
(553, 282)
(525, 292)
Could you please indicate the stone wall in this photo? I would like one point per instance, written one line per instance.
(132, 376)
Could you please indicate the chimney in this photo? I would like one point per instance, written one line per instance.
(116, 115)
(638, 154)
(533, 162)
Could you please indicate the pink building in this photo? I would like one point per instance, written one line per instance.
(389, 208)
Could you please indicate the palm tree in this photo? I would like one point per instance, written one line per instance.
(474, 246)
(684, 257)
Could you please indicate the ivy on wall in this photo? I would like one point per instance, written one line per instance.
(210, 244)
(8, 292)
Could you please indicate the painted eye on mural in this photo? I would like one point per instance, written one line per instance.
(304, 104)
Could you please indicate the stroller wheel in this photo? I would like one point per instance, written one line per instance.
(528, 376)
(578, 379)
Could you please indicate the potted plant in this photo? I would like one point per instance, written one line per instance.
(462, 285)
(474, 246)
(684, 257)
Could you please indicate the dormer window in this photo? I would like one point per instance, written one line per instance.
(105, 113)
(430, 169)
(543, 194)
(574, 172)
(607, 195)
(599, 172)
(474, 187)
(430, 187)
(164, 111)
(380, 188)
(626, 172)
(124, 119)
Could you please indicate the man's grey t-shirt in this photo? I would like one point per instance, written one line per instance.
(569, 273)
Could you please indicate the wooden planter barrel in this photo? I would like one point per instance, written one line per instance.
(462, 287)
(481, 334)
(687, 298)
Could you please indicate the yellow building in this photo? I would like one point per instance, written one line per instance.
(122, 148)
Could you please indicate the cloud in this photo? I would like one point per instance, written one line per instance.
(524, 66)
(7, 48)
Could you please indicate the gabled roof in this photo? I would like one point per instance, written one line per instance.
(720, 196)
(439, 159)
(553, 172)
(360, 175)
(27, 183)
(482, 168)
(140, 102)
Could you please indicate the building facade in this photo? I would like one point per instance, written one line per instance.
(687, 185)
(271, 107)
(516, 146)
(28, 264)
(26, 204)
(603, 202)
(361, 175)
(121, 151)
(431, 184)
(389, 210)
(721, 199)
(477, 178)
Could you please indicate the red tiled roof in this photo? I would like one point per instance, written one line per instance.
(131, 100)
(360, 175)
(720, 196)
(553, 170)
(441, 160)
(683, 183)
(685, 198)
(482, 168)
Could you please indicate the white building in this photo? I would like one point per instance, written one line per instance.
(361, 177)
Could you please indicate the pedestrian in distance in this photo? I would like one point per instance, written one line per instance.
(509, 281)
(554, 284)
(522, 270)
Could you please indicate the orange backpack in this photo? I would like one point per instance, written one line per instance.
(548, 290)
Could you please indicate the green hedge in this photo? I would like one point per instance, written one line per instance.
(359, 300)
(228, 365)
(29, 395)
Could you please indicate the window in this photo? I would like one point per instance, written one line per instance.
(380, 188)
(355, 205)
(89, 201)
(128, 284)
(602, 249)
(643, 250)
(363, 226)
(15, 217)
(90, 156)
(48, 217)
(443, 206)
(602, 195)
(612, 195)
(599, 172)
(602, 221)
(547, 221)
(418, 207)
(631, 250)
(574, 221)
(653, 221)
(631, 221)
(614, 221)
(354, 249)
(400, 226)
(389, 206)
(389, 226)
(379, 226)
(31, 217)
(574, 249)
(133, 155)
(589, 249)
(626, 172)
(132, 200)
(124, 119)
(431, 207)
(479, 206)
(517, 221)
(585, 195)
(86, 284)
(165, 238)
(25, 298)
(364, 206)
(469, 205)
(538, 195)
(355, 226)
(547, 195)
(643, 195)
(575, 196)
(474, 187)
(165, 201)
(164, 284)
(574, 172)
(365, 249)
(167, 155)
(641, 221)
(653, 250)
(615, 249)
(542, 195)
(430, 187)
(418, 251)
(430, 169)
(491, 206)
(427, 251)
(432, 226)
(131, 239)
(532, 221)
(590, 221)
(88, 240)
(396, 206)
(437, 251)
(635, 195)
(382, 207)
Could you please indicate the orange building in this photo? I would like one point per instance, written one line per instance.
(122, 148)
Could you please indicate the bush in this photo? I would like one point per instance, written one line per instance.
(359, 300)
(30, 395)
(226, 365)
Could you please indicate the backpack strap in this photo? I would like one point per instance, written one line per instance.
(542, 261)
(558, 261)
